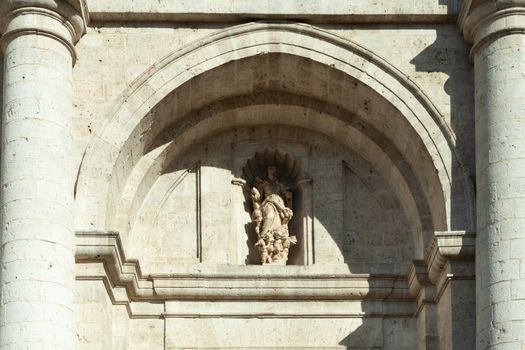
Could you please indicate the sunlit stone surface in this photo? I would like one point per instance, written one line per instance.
(244, 174)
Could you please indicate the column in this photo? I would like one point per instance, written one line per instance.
(496, 30)
(37, 242)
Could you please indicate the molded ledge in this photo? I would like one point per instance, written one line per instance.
(450, 246)
(427, 279)
(226, 282)
(106, 248)
(420, 285)
(418, 277)
(310, 11)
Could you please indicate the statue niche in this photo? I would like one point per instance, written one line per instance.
(272, 178)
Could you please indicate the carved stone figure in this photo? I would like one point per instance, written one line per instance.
(271, 178)
(272, 212)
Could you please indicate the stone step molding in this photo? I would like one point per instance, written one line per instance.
(100, 256)
(186, 292)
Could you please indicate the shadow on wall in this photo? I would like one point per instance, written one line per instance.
(363, 337)
(449, 55)
(387, 333)
(367, 329)
(370, 241)
(374, 192)
(369, 200)
(452, 5)
(276, 91)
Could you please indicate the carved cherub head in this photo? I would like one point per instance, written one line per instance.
(270, 172)
(288, 199)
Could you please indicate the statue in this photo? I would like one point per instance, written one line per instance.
(272, 202)
(271, 178)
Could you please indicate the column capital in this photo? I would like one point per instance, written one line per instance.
(483, 21)
(63, 20)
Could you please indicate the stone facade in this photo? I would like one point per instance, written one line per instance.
(243, 174)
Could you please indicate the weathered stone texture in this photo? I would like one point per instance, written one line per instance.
(134, 130)
(37, 252)
(495, 31)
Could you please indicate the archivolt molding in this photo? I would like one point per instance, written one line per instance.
(245, 41)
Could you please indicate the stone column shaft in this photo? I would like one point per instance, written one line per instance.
(37, 241)
(497, 31)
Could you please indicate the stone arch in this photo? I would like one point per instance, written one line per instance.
(415, 140)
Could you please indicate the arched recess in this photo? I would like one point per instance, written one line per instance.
(345, 92)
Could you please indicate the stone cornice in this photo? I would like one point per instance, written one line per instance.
(447, 246)
(58, 19)
(418, 277)
(450, 257)
(483, 21)
(309, 11)
(226, 283)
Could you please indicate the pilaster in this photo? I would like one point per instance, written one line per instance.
(443, 285)
(424, 291)
(496, 30)
(37, 242)
(451, 269)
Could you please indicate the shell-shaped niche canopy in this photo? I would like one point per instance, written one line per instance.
(287, 167)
